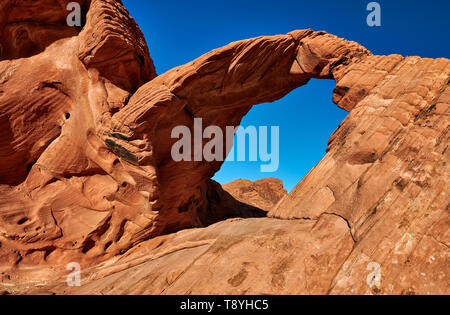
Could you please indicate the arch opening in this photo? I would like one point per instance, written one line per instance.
(306, 118)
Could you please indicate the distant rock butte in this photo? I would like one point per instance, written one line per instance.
(87, 174)
(263, 194)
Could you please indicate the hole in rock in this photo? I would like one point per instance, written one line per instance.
(88, 246)
(306, 118)
(22, 221)
(107, 245)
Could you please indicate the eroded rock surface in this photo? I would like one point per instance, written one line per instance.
(88, 177)
(239, 256)
(263, 194)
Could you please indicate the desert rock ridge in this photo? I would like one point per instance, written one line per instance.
(87, 174)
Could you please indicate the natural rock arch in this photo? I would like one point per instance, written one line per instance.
(86, 126)
(81, 132)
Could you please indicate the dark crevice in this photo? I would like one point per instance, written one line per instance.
(107, 245)
(190, 114)
(346, 221)
(120, 232)
(30, 166)
(87, 246)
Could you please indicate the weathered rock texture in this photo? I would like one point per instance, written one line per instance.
(87, 174)
(263, 194)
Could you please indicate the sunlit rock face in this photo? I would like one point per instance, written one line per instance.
(87, 174)
(263, 194)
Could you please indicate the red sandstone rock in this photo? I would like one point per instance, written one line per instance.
(263, 194)
(239, 256)
(87, 173)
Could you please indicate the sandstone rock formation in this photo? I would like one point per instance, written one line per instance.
(88, 177)
(263, 194)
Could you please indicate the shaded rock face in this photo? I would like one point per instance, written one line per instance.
(87, 172)
(28, 27)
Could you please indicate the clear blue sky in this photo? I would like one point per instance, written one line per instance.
(179, 31)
